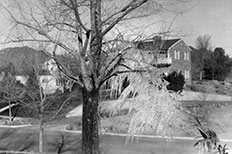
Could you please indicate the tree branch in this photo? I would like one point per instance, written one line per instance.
(120, 72)
(119, 55)
(39, 30)
(61, 107)
(77, 16)
(66, 72)
(116, 13)
(24, 40)
(125, 11)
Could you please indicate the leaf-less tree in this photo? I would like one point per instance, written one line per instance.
(39, 99)
(11, 91)
(35, 99)
(203, 53)
(79, 27)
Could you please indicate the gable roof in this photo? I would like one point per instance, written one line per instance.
(169, 43)
(163, 44)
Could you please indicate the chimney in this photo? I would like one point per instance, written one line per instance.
(157, 40)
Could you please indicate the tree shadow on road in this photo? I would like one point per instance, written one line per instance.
(11, 141)
(64, 143)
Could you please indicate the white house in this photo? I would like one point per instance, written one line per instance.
(57, 79)
(48, 82)
(51, 79)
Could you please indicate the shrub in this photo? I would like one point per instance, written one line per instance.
(176, 81)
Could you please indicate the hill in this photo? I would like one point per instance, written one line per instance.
(20, 57)
(211, 87)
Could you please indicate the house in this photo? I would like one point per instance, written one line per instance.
(171, 53)
(50, 78)
(59, 80)
(19, 59)
(48, 82)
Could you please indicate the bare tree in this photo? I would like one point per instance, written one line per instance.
(79, 27)
(36, 100)
(203, 42)
(203, 45)
(11, 92)
(39, 99)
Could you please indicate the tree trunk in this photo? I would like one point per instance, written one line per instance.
(90, 122)
(201, 75)
(213, 74)
(41, 133)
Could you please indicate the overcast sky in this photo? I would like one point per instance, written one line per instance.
(212, 17)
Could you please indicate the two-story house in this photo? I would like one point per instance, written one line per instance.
(171, 53)
(50, 78)
(58, 79)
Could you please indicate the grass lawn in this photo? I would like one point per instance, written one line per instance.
(214, 115)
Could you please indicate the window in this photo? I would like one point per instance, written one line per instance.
(186, 74)
(177, 54)
(186, 56)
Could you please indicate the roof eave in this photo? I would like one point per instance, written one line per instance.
(174, 44)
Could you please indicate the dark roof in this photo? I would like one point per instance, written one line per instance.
(192, 48)
(168, 43)
(70, 63)
(163, 44)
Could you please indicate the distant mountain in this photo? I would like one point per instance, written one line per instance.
(20, 57)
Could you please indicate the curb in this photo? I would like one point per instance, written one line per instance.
(148, 136)
(14, 126)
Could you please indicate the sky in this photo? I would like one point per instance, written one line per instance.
(208, 17)
(202, 17)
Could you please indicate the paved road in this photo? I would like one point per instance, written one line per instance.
(110, 144)
(116, 145)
